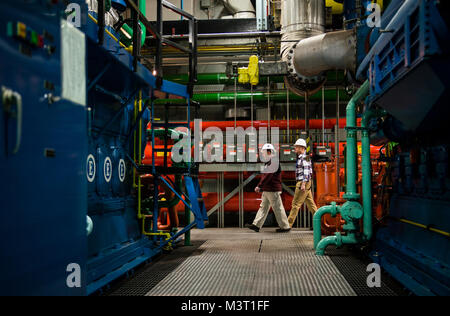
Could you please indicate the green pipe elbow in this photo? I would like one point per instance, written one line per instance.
(351, 107)
(324, 243)
(338, 240)
(370, 114)
(333, 210)
(129, 30)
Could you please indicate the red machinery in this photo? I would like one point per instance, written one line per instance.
(325, 177)
(281, 124)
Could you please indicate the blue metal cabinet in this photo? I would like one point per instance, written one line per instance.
(43, 187)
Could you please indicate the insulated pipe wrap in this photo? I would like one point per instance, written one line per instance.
(301, 19)
(241, 9)
(335, 50)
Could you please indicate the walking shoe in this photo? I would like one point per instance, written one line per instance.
(280, 230)
(254, 227)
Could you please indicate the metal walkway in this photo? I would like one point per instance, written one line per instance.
(239, 262)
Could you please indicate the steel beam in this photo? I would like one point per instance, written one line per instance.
(232, 193)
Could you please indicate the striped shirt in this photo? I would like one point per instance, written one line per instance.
(303, 171)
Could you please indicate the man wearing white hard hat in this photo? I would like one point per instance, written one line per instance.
(271, 188)
(303, 175)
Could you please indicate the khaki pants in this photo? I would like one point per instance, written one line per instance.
(301, 197)
(271, 199)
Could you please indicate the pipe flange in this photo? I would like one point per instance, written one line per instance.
(335, 209)
(301, 84)
(301, 88)
(299, 77)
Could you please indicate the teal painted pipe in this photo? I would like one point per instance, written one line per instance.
(366, 184)
(367, 172)
(338, 240)
(333, 210)
(351, 193)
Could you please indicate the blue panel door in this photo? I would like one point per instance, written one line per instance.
(43, 190)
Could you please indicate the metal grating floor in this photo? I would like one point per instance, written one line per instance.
(147, 277)
(353, 267)
(239, 262)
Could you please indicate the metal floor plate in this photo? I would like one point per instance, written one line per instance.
(149, 276)
(239, 262)
(353, 267)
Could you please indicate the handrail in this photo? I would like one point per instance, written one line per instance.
(157, 33)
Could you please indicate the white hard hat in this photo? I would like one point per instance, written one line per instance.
(301, 142)
(268, 147)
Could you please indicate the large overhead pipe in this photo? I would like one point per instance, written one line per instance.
(335, 50)
(301, 19)
(308, 51)
(241, 9)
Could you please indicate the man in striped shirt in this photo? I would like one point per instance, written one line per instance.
(303, 175)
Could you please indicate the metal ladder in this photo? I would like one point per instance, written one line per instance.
(192, 199)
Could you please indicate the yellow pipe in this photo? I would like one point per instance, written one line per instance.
(336, 7)
(438, 231)
(167, 235)
(214, 48)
